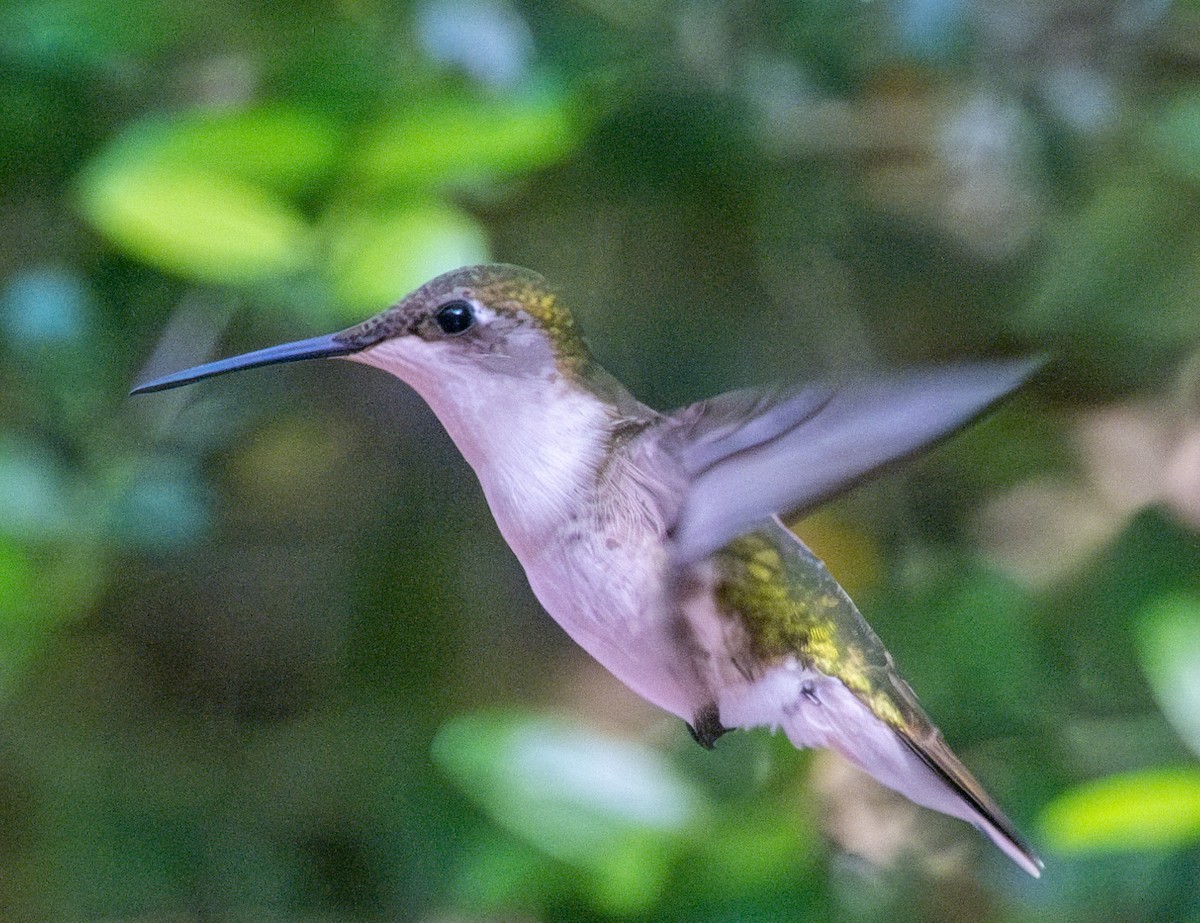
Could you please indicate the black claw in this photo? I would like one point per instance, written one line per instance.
(706, 727)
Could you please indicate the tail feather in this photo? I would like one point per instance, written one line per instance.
(940, 759)
(914, 762)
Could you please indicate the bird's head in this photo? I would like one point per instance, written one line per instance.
(472, 323)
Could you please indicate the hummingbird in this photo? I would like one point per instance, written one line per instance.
(657, 540)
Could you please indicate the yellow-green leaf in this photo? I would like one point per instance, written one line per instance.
(378, 257)
(1149, 810)
(460, 139)
(282, 147)
(191, 221)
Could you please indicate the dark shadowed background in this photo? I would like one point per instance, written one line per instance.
(263, 654)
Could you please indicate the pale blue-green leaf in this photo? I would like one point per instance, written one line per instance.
(45, 306)
(36, 491)
(163, 507)
(607, 805)
(487, 39)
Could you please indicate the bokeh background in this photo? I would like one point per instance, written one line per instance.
(263, 654)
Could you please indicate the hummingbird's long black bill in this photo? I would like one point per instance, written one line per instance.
(322, 347)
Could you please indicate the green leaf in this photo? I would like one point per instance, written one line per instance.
(460, 139)
(1169, 643)
(378, 257)
(33, 602)
(608, 806)
(1150, 810)
(20, 601)
(283, 147)
(1117, 290)
(763, 843)
(1174, 136)
(499, 872)
(89, 33)
(190, 220)
(965, 629)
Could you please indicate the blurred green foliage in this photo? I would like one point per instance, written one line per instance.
(263, 653)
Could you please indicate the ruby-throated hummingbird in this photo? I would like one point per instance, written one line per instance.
(655, 539)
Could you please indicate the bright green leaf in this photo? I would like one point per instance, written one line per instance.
(1149, 810)
(746, 851)
(1170, 648)
(18, 594)
(461, 140)
(376, 258)
(628, 876)
(192, 221)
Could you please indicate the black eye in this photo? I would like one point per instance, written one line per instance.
(454, 317)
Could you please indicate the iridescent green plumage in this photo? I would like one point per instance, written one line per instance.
(790, 606)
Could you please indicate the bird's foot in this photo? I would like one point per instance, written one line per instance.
(706, 726)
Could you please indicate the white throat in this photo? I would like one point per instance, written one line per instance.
(535, 442)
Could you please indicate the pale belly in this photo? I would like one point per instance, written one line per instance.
(610, 601)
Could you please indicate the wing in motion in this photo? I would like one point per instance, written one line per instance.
(747, 456)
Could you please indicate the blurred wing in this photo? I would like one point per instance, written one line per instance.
(747, 456)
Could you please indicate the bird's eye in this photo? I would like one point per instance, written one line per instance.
(454, 317)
